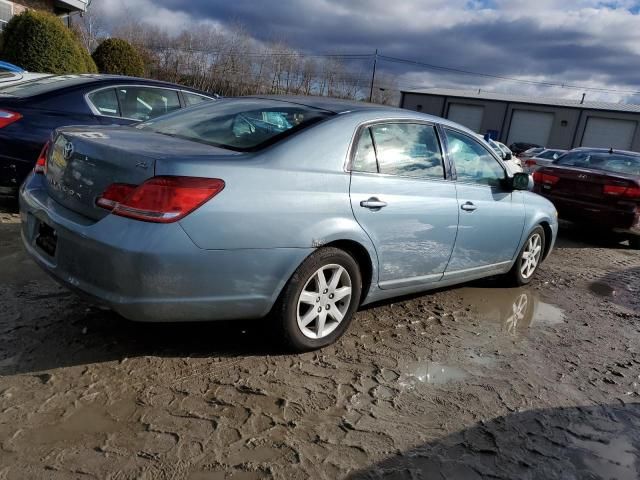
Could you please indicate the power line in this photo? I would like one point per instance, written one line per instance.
(502, 77)
(397, 60)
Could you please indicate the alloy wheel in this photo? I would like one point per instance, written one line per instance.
(531, 256)
(324, 301)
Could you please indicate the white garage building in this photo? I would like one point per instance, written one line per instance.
(554, 123)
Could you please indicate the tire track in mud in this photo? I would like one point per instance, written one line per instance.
(84, 393)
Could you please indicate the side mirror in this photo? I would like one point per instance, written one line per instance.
(508, 156)
(521, 181)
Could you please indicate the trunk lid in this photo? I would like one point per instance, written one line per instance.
(585, 184)
(82, 162)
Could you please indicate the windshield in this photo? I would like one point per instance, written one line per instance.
(243, 125)
(609, 162)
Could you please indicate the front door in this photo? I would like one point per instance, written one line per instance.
(491, 217)
(401, 198)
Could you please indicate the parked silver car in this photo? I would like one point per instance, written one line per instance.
(512, 162)
(301, 208)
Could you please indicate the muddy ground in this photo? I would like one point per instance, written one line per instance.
(465, 383)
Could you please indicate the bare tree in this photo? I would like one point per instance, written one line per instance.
(228, 61)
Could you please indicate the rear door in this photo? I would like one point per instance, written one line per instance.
(401, 198)
(491, 217)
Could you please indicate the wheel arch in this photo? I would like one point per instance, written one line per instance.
(548, 237)
(362, 257)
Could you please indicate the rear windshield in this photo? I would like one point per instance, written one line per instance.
(41, 85)
(609, 162)
(548, 154)
(534, 150)
(243, 125)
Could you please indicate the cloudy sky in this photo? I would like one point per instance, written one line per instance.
(578, 42)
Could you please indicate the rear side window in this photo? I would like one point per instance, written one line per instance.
(106, 102)
(193, 98)
(144, 103)
(408, 150)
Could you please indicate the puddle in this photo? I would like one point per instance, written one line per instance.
(602, 289)
(430, 372)
(516, 309)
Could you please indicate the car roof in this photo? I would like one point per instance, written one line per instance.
(64, 82)
(606, 150)
(341, 106)
(335, 105)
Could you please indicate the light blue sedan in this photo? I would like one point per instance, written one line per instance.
(297, 209)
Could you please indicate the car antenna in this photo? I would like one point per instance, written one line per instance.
(610, 150)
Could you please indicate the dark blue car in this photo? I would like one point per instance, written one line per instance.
(30, 111)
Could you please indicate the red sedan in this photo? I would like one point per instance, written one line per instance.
(597, 187)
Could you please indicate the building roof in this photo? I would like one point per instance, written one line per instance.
(72, 5)
(504, 97)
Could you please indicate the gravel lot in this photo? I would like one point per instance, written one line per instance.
(472, 382)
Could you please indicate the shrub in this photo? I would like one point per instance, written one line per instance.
(118, 56)
(40, 42)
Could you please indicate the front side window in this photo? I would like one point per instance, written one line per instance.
(106, 102)
(144, 103)
(242, 125)
(365, 156)
(191, 99)
(473, 162)
(409, 150)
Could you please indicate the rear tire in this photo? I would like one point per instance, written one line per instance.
(634, 242)
(528, 259)
(318, 302)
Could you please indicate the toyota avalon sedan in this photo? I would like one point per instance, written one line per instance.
(295, 209)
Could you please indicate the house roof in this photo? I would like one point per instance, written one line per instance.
(503, 97)
(72, 5)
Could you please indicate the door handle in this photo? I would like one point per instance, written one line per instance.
(468, 207)
(373, 203)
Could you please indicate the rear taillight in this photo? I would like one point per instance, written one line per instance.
(545, 178)
(160, 199)
(7, 117)
(41, 163)
(114, 194)
(622, 191)
(530, 163)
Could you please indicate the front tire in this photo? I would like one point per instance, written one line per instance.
(529, 258)
(318, 302)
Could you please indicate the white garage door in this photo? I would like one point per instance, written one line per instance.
(530, 127)
(609, 133)
(468, 115)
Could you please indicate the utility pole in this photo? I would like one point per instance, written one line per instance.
(373, 76)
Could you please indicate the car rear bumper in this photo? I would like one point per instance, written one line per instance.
(153, 272)
(622, 220)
